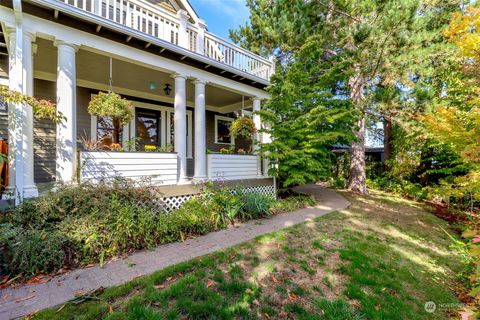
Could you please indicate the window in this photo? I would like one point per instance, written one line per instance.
(222, 130)
(109, 131)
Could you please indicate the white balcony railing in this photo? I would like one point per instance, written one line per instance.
(152, 20)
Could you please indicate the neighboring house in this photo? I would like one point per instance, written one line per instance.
(372, 154)
(186, 85)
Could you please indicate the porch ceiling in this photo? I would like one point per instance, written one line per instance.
(93, 69)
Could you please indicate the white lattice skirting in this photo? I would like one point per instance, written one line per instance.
(172, 203)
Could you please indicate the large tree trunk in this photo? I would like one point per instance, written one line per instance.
(387, 138)
(356, 181)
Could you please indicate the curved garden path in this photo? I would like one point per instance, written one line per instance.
(26, 299)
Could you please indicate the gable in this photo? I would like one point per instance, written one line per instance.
(174, 5)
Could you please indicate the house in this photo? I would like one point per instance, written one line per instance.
(186, 84)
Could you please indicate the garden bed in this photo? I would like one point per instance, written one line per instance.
(83, 224)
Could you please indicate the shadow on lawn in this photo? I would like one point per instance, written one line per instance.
(377, 259)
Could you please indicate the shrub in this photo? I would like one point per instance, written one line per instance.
(81, 224)
(255, 205)
(36, 251)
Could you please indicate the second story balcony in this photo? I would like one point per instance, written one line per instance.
(177, 28)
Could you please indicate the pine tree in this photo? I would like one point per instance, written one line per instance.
(377, 42)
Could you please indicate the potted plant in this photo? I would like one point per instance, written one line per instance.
(109, 104)
(243, 127)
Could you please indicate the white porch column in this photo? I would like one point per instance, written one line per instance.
(183, 38)
(201, 37)
(266, 138)
(67, 105)
(29, 188)
(257, 138)
(180, 126)
(200, 132)
(16, 113)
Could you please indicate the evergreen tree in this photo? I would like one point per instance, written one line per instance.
(307, 115)
(371, 40)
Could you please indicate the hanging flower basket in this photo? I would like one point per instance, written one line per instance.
(111, 105)
(243, 127)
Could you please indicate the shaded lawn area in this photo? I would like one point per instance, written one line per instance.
(382, 258)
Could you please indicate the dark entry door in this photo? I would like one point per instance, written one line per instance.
(148, 128)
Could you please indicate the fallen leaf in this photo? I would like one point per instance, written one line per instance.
(23, 299)
(210, 283)
(137, 276)
(39, 279)
(60, 309)
(110, 309)
(275, 279)
(292, 296)
(169, 278)
(159, 286)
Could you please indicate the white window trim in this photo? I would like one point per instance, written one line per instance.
(217, 117)
(129, 129)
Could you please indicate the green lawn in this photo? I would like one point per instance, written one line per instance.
(382, 258)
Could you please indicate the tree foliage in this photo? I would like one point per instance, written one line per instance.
(456, 121)
(307, 115)
(375, 44)
(41, 108)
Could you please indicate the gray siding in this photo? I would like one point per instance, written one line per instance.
(210, 130)
(44, 136)
(44, 131)
(83, 117)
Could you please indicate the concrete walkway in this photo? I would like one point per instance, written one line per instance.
(17, 302)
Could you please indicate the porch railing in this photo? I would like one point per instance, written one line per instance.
(152, 20)
(231, 166)
(147, 167)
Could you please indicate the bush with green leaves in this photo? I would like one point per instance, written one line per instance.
(81, 224)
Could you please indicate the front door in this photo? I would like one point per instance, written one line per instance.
(148, 128)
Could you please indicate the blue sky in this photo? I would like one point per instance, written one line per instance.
(221, 15)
